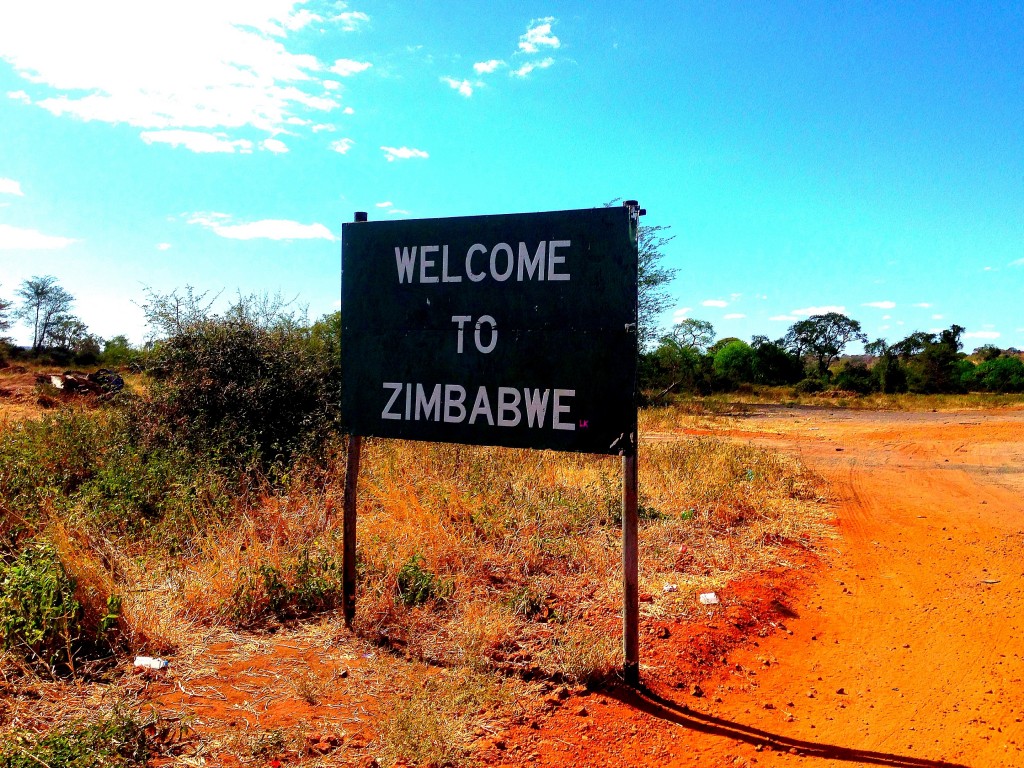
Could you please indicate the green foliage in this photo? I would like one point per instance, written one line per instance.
(855, 377)
(936, 367)
(734, 363)
(773, 364)
(47, 460)
(415, 584)
(302, 586)
(118, 739)
(653, 298)
(118, 351)
(250, 385)
(39, 615)
(823, 338)
(93, 465)
(1001, 374)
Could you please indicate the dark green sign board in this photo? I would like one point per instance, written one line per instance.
(515, 330)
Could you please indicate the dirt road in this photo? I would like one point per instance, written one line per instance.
(907, 650)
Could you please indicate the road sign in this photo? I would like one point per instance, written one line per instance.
(515, 330)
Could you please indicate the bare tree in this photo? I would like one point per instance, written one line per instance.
(5, 321)
(43, 304)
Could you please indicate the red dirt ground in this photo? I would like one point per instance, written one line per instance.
(903, 647)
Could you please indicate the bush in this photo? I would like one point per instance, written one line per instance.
(1002, 374)
(118, 739)
(303, 586)
(809, 386)
(855, 377)
(251, 385)
(40, 617)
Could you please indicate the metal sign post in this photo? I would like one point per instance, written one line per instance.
(516, 330)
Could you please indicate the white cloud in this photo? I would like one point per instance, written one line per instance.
(350, 21)
(349, 67)
(784, 318)
(403, 153)
(462, 86)
(538, 35)
(989, 269)
(10, 187)
(808, 311)
(938, 317)
(923, 305)
(276, 146)
(197, 141)
(19, 96)
(982, 335)
(197, 65)
(319, 127)
(714, 303)
(527, 68)
(385, 204)
(486, 67)
(348, 111)
(163, 246)
(342, 146)
(1017, 263)
(733, 316)
(880, 304)
(330, 85)
(887, 317)
(18, 239)
(680, 314)
(266, 229)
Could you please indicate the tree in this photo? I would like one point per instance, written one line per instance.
(5, 322)
(773, 364)
(695, 334)
(889, 375)
(43, 304)
(937, 367)
(987, 352)
(1001, 374)
(653, 298)
(823, 337)
(734, 362)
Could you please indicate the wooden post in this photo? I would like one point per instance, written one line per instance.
(348, 530)
(348, 526)
(630, 572)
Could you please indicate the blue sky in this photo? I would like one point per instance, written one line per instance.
(864, 158)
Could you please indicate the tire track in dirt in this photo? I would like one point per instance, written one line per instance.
(909, 656)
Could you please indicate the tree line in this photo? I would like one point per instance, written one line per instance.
(686, 358)
(810, 357)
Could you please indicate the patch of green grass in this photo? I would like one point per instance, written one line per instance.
(39, 615)
(416, 585)
(118, 739)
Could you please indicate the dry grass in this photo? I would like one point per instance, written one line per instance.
(756, 395)
(520, 549)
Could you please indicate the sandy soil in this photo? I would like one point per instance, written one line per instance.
(901, 646)
(906, 651)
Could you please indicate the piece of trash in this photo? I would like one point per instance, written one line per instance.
(990, 581)
(148, 662)
(708, 598)
(670, 588)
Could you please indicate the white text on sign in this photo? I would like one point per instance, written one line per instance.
(501, 406)
(431, 264)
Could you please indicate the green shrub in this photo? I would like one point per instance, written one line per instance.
(118, 739)
(39, 615)
(251, 385)
(48, 459)
(415, 584)
(304, 585)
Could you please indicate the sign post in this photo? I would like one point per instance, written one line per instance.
(516, 330)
